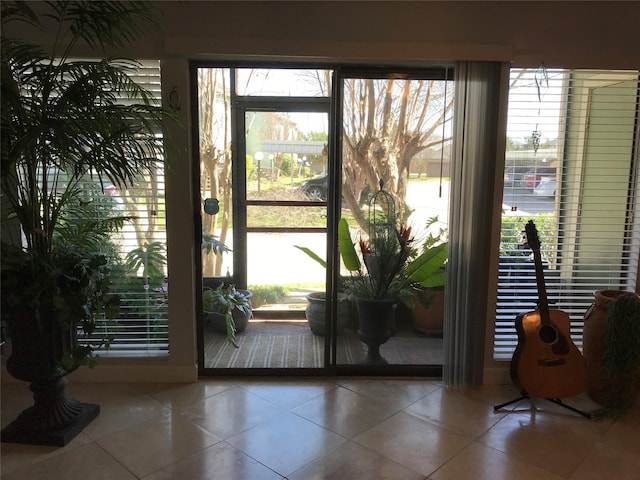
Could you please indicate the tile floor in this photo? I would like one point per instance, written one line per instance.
(338, 428)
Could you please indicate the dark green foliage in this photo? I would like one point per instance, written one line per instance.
(150, 258)
(623, 334)
(265, 294)
(64, 134)
(69, 286)
(621, 356)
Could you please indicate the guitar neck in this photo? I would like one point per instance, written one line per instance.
(543, 303)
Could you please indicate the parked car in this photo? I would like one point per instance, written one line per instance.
(546, 187)
(316, 187)
(533, 177)
(513, 175)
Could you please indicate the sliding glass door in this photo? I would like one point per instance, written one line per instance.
(281, 161)
(268, 184)
(395, 157)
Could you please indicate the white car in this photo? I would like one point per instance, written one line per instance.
(546, 187)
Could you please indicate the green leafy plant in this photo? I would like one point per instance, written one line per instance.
(63, 125)
(223, 300)
(211, 244)
(69, 287)
(438, 279)
(263, 294)
(395, 269)
(621, 355)
(512, 234)
(151, 258)
(390, 266)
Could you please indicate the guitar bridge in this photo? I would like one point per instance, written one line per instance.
(551, 362)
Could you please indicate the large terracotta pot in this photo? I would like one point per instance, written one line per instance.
(593, 345)
(375, 324)
(430, 319)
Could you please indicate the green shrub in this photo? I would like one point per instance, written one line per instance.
(265, 294)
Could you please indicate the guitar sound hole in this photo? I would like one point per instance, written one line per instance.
(548, 334)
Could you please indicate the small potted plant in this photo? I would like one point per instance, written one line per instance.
(227, 310)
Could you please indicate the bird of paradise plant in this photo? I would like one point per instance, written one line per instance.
(391, 266)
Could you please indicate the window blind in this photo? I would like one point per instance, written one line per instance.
(571, 166)
(142, 328)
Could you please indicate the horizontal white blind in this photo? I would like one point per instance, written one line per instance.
(142, 328)
(571, 167)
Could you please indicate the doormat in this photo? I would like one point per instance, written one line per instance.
(295, 346)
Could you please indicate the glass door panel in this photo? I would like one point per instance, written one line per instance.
(263, 170)
(286, 185)
(397, 130)
(285, 152)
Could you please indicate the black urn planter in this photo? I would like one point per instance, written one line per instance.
(37, 353)
(376, 318)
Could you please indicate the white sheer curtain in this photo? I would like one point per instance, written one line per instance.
(478, 153)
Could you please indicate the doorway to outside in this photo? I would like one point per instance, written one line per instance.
(265, 167)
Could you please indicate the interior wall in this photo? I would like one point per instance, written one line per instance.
(560, 34)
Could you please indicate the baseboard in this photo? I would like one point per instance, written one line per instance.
(496, 375)
(127, 374)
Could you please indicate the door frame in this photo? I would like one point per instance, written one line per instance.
(239, 106)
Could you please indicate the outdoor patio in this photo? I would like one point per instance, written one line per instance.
(291, 344)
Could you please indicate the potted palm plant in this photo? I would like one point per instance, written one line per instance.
(63, 126)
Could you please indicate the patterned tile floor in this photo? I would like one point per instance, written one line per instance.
(338, 428)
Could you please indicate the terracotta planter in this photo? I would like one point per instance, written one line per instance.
(593, 347)
(429, 319)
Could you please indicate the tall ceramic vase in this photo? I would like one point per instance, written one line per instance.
(595, 319)
(375, 325)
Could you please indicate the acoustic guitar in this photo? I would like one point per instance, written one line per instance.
(546, 362)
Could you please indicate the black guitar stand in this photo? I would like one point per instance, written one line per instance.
(525, 396)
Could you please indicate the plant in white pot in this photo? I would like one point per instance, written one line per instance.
(63, 126)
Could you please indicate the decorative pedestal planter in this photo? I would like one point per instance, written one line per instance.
(36, 355)
(53, 419)
(375, 325)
